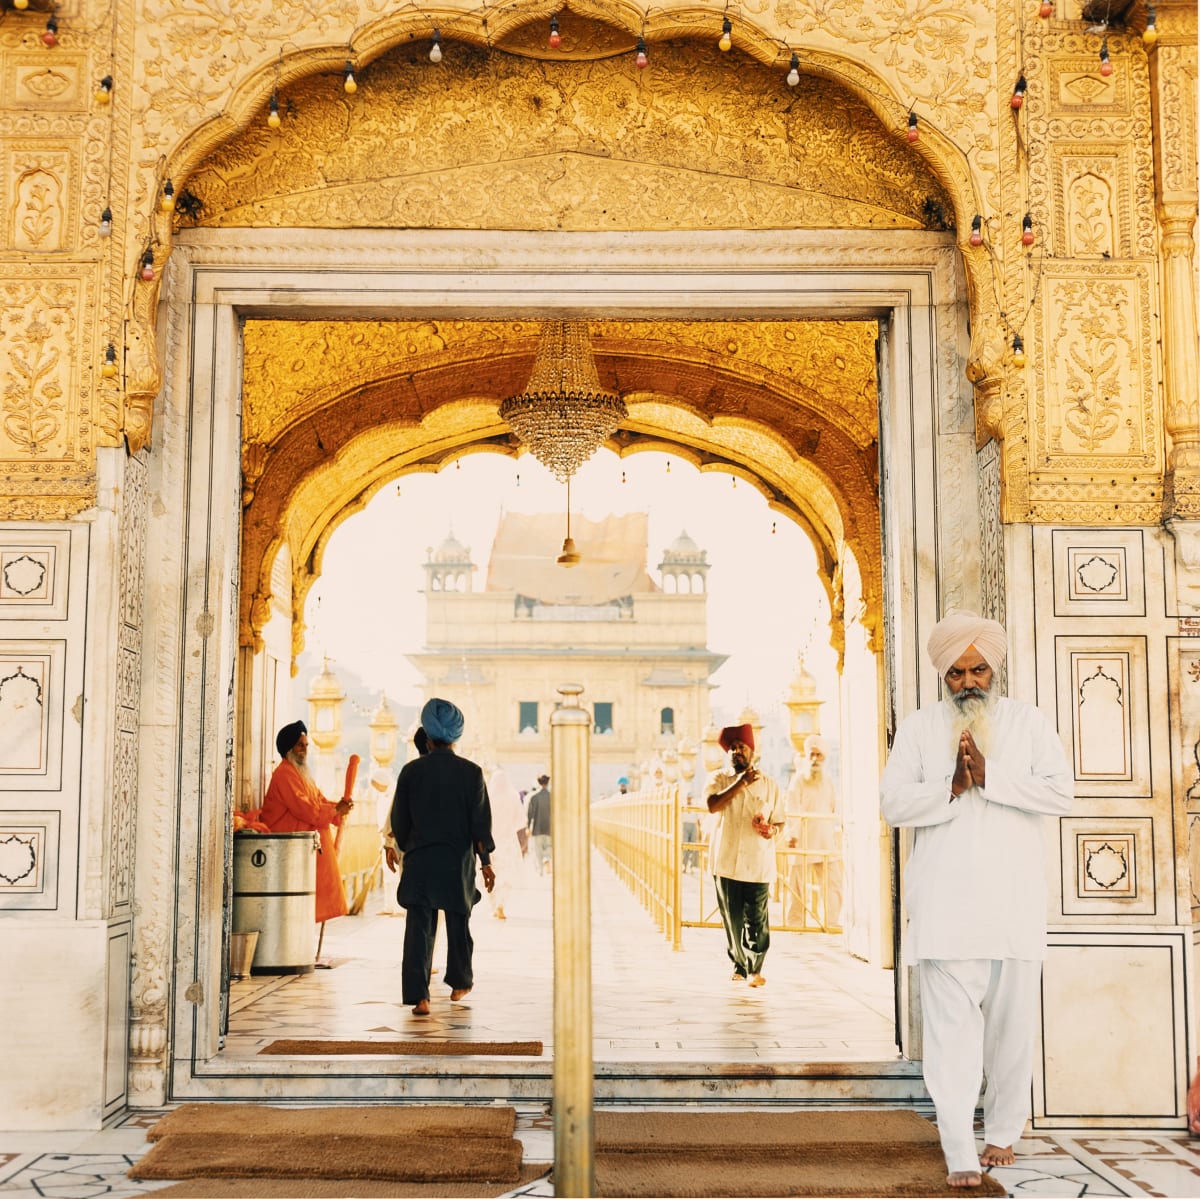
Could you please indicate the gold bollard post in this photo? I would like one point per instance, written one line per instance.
(570, 796)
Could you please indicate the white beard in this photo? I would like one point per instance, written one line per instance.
(302, 767)
(972, 712)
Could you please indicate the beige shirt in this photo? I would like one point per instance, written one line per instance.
(738, 851)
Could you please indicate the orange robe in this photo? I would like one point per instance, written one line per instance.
(292, 804)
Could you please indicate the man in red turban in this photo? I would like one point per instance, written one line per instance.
(975, 777)
(742, 856)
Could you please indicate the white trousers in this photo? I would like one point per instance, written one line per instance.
(979, 1018)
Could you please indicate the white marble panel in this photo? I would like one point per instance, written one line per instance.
(1108, 866)
(55, 1018)
(1102, 697)
(1112, 1041)
(34, 575)
(1098, 573)
(29, 851)
(116, 1059)
(31, 714)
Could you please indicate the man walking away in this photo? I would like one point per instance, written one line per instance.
(976, 777)
(538, 816)
(441, 820)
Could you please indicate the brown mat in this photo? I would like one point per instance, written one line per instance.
(848, 1171)
(618, 1132)
(387, 1120)
(340, 1188)
(348, 1155)
(432, 1048)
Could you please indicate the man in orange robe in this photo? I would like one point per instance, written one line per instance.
(294, 804)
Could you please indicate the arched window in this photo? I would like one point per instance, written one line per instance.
(666, 721)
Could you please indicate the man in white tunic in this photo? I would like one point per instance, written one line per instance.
(976, 776)
(750, 814)
(811, 804)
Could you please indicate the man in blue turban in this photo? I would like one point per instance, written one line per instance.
(442, 720)
(441, 819)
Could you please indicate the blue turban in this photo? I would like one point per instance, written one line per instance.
(288, 737)
(622, 782)
(442, 721)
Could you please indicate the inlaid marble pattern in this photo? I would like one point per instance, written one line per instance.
(1098, 574)
(1105, 706)
(33, 574)
(29, 860)
(1107, 865)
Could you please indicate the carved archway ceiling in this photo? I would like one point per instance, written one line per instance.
(332, 411)
(494, 140)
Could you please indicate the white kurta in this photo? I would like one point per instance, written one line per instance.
(975, 885)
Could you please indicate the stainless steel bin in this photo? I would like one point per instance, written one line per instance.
(274, 894)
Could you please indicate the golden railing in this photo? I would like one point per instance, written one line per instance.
(639, 836)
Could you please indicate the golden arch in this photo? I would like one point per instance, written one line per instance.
(313, 457)
(228, 173)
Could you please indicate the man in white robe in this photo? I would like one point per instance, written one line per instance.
(813, 826)
(976, 776)
(508, 818)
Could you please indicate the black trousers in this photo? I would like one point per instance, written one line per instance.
(744, 914)
(420, 931)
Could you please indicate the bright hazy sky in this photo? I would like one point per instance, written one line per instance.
(765, 603)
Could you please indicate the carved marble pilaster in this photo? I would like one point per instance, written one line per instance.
(1173, 98)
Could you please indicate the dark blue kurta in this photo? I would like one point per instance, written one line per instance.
(440, 810)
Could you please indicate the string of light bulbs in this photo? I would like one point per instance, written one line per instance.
(485, 14)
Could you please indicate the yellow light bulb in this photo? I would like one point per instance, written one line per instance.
(725, 42)
(273, 119)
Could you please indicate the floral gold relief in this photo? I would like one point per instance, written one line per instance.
(696, 141)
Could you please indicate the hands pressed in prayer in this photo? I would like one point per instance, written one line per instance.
(970, 767)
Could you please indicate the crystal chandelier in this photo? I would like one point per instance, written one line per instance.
(563, 415)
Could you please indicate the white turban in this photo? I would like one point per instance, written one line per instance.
(816, 741)
(957, 630)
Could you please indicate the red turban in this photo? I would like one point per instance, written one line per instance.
(736, 732)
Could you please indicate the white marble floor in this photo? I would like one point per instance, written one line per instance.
(652, 1005)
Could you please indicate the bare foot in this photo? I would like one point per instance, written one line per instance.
(997, 1155)
(757, 980)
(459, 993)
(422, 1008)
(964, 1178)
(737, 978)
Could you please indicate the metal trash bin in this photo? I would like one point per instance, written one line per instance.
(274, 894)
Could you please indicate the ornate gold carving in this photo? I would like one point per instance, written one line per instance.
(1088, 183)
(1096, 407)
(39, 81)
(698, 143)
(294, 368)
(39, 321)
(335, 410)
(41, 179)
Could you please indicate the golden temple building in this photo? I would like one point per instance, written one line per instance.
(922, 273)
(639, 646)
